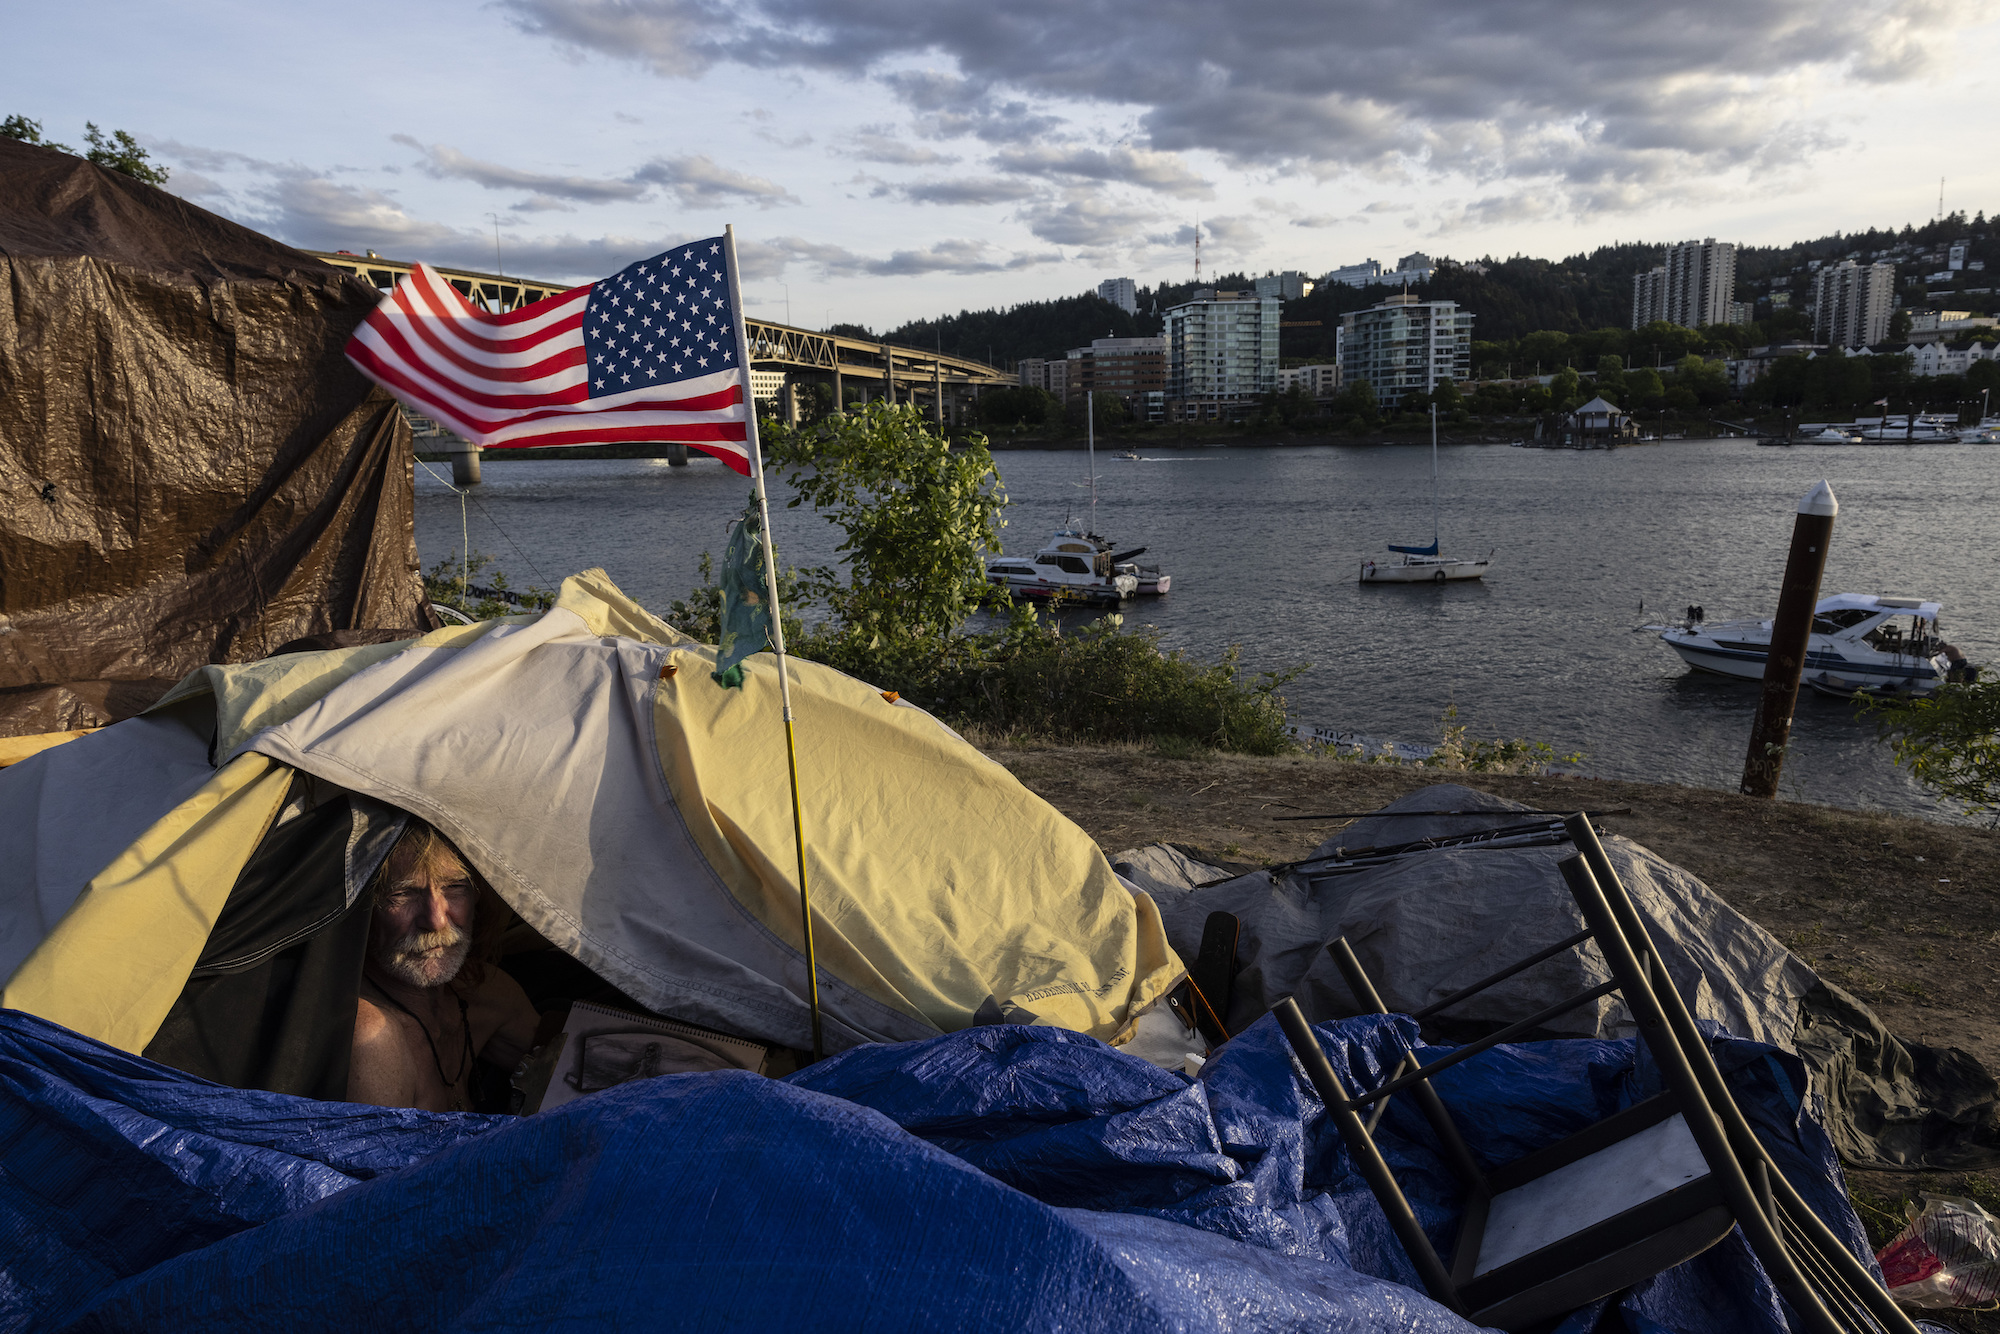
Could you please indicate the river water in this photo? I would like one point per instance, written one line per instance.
(1264, 545)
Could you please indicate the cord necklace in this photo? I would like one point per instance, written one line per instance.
(465, 1032)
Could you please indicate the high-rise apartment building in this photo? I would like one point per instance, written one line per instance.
(1126, 367)
(1693, 288)
(1356, 275)
(1406, 345)
(1852, 303)
(1051, 374)
(1120, 292)
(1291, 285)
(1222, 351)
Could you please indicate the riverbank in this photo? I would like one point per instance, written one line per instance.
(1114, 444)
(1897, 910)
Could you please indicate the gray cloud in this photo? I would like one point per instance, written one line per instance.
(1164, 172)
(879, 144)
(965, 190)
(443, 162)
(1607, 102)
(956, 257)
(700, 182)
(1085, 218)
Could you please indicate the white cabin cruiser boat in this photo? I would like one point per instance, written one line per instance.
(1860, 644)
(1077, 566)
(1423, 565)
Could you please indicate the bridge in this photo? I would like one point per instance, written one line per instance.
(782, 358)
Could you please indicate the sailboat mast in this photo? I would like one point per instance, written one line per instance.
(1434, 479)
(1090, 438)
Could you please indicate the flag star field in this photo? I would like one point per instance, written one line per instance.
(660, 321)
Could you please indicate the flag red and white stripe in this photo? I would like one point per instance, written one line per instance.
(517, 380)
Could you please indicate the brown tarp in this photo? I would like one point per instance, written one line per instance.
(190, 470)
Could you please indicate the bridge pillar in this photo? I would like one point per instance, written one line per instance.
(839, 390)
(888, 376)
(677, 456)
(937, 391)
(464, 461)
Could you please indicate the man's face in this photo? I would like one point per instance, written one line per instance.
(423, 917)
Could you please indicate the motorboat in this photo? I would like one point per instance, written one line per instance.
(1913, 428)
(1076, 567)
(1423, 565)
(1861, 643)
(1909, 433)
(1829, 435)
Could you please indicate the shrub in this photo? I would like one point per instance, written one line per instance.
(1950, 742)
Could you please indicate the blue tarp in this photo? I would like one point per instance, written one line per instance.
(998, 1178)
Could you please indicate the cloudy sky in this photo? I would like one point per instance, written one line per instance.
(890, 159)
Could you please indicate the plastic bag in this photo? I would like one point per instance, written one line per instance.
(1948, 1256)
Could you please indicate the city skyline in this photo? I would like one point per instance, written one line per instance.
(925, 160)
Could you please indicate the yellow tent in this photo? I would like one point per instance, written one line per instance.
(628, 808)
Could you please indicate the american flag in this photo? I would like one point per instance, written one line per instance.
(646, 355)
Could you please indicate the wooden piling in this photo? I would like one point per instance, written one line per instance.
(1791, 633)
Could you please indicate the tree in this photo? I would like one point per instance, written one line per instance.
(118, 150)
(1643, 389)
(1611, 379)
(1019, 405)
(1110, 410)
(815, 400)
(1950, 742)
(1899, 326)
(917, 513)
(1450, 403)
(1358, 400)
(1788, 383)
(1982, 375)
(1703, 378)
(1566, 389)
(1545, 349)
(29, 132)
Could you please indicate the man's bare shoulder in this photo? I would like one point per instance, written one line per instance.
(372, 1024)
(379, 1069)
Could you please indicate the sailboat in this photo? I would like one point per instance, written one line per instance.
(1078, 566)
(1423, 565)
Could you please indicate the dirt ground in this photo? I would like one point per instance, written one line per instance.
(1901, 912)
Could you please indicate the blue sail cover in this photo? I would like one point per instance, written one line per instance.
(1430, 550)
(1002, 1178)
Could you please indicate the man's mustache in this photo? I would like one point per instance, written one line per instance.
(419, 943)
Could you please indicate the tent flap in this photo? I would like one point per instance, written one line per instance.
(638, 816)
(115, 964)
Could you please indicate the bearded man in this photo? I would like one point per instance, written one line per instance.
(432, 1001)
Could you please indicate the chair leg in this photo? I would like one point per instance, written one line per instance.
(1827, 1248)
(1456, 1151)
(1402, 1219)
(1677, 1073)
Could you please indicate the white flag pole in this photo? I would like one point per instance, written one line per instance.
(777, 631)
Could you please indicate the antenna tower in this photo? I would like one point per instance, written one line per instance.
(1197, 250)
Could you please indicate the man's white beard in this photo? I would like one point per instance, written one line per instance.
(425, 958)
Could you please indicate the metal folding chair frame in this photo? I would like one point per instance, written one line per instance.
(1829, 1290)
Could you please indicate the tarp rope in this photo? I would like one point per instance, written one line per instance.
(464, 533)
